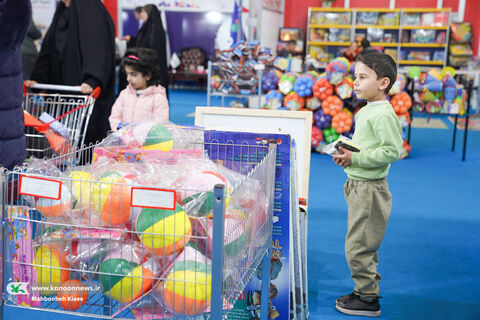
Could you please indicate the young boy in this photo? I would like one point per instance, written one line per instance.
(378, 133)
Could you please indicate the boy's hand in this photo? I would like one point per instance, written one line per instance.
(344, 159)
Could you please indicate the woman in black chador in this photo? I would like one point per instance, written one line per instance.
(151, 35)
(79, 49)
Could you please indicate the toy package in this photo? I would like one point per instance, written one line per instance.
(367, 18)
(423, 36)
(375, 34)
(412, 19)
(330, 18)
(389, 19)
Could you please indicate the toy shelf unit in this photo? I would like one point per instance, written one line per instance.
(410, 36)
(461, 41)
(231, 79)
(163, 262)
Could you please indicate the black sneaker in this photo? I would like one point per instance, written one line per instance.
(353, 305)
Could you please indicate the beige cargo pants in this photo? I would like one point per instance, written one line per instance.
(369, 206)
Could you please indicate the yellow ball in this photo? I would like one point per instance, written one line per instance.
(49, 258)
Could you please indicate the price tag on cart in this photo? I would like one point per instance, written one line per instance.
(40, 187)
(153, 198)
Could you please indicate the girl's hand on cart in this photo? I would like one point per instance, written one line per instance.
(85, 88)
(127, 38)
(30, 83)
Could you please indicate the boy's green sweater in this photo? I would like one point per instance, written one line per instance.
(379, 135)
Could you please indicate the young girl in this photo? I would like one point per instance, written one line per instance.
(143, 99)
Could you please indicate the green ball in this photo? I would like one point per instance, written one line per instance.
(414, 72)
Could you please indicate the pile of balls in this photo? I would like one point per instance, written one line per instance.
(133, 250)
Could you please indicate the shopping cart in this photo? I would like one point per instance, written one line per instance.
(117, 273)
(56, 119)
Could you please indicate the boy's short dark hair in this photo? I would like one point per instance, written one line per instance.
(145, 61)
(383, 65)
(139, 9)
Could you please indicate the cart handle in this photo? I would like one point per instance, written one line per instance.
(96, 92)
(45, 126)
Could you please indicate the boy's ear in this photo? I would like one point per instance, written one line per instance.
(384, 84)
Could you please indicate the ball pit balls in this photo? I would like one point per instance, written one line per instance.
(124, 280)
(332, 105)
(55, 208)
(81, 187)
(49, 258)
(163, 232)
(187, 287)
(158, 138)
(72, 295)
(111, 198)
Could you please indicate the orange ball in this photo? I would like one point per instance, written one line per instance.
(72, 295)
(342, 122)
(332, 105)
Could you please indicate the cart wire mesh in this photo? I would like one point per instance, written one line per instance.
(72, 258)
(72, 113)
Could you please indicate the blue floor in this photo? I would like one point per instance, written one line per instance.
(430, 257)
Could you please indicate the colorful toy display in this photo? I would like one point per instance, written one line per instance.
(123, 275)
(401, 102)
(313, 103)
(321, 119)
(270, 80)
(72, 295)
(303, 85)
(337, 69)
(317, 137)
(330, 135)
(399, 85)
(332, 105)
(345, 89)
(163, 232)
(286, 83)
(51, 267)
(342, 121)
(293, 101)
(273, 100)
(187, 287)
(322, 89)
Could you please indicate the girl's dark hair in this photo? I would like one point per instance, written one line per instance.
(383, 65)
(145, 61)
(139, 9)
(365, 43)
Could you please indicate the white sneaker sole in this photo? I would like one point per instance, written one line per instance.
(358, 312)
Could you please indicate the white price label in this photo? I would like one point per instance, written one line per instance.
(40, 187)
(153, 198)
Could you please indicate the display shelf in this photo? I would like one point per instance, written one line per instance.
(384, 44)
(327, 43)
(424, 27)
(328, 26)
(369, 22)
(366, 26)
(422, 45)
(421, 62)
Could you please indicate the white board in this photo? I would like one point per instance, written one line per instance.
(296, 123)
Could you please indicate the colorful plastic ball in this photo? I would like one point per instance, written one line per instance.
(72, 295)
(55, 208)
(216, 82)
(332, 105)
(158, 138)
(342, 121)
(414, 72)
(330, 135)
(317, 137)
(322, 89)
(313, 103)
(123, 276)
(337, 69)
(235, 235)
(111, 198)
(286, 82)
(303, 85)
(51, 267)
(270, 81)
(345, 89)
(405, 150)
(401, 102)
(81, 187)
(433, 107)
(321, 119)
(163, 232)
(273, 100)
(187, 287)
(293, 101)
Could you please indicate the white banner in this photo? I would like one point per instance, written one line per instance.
(42, 12)
(200, 5)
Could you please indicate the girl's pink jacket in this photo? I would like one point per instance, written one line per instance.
(151, 105)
